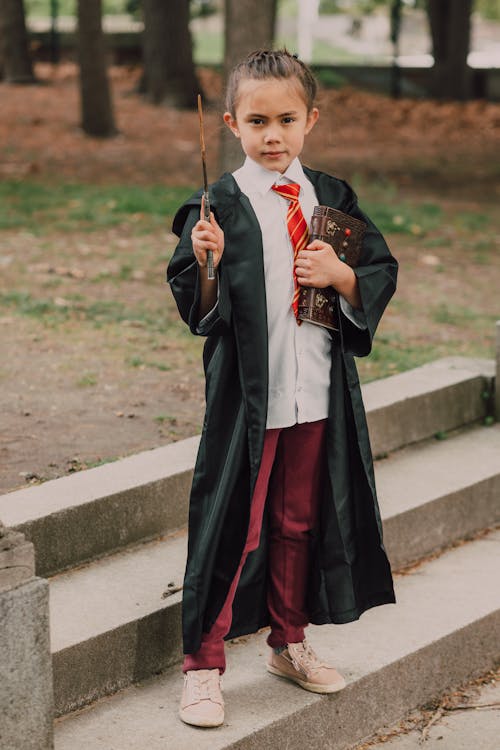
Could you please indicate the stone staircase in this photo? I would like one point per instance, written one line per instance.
(112, 542)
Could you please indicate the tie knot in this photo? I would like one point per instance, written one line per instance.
(290, 191)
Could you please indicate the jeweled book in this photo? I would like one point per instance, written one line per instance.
(345, 234)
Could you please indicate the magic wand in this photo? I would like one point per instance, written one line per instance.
(206, 200)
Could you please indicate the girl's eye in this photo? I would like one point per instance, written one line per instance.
(288, 120)
(256, 121)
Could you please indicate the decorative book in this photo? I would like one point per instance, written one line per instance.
(345, 234)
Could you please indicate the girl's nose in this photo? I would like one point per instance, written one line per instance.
(271, 135)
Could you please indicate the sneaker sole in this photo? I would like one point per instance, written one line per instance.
(311, 686)
(204, 724)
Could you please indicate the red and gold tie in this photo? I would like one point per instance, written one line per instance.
(297, 229)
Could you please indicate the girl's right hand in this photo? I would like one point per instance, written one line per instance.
(207, 236)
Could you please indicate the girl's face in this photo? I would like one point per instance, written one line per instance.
(271, 119)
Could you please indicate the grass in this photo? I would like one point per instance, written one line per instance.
(101, 313)
(67, 207)
(394, 215)
(40, 208)
(41, 8)
(87, 379)
(130, 300)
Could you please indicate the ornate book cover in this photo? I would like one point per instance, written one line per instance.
(345, 234)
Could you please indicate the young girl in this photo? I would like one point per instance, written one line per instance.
(284, 526)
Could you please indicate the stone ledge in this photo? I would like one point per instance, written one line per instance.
(17, 558)
(435, 398)
(26, 693)
(145, 495)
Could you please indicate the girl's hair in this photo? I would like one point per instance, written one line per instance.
(266, 63)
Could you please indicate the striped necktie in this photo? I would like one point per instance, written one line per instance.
(297, 229)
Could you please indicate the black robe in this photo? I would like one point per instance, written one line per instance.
(349, 567)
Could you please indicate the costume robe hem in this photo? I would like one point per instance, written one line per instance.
(337, 618)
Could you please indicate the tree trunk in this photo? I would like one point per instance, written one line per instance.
(15, 59)
(450, 26)
(96, 104)
(249, 25)
(169, 73)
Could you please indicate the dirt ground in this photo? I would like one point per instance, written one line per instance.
(90, 386)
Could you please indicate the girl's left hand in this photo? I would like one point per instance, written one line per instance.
(319, 266)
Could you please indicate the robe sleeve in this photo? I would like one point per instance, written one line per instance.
(184, 279)
(376, 274)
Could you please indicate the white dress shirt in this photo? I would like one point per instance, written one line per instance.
(299, 356)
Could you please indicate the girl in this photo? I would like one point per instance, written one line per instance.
(284, 526)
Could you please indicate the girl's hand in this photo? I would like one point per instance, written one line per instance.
(319, 266)
(207, 236)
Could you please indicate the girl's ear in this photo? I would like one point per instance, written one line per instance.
(232, 124)
(312, 119)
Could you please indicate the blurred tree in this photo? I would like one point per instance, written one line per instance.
(15, 59)
(248, 25)
(450, 25)
(96, 104)
(396, 9)
(169, 73)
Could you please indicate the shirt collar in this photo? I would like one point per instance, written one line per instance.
(253, 178)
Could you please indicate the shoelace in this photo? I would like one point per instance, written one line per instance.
(206, 687)
(304, 658)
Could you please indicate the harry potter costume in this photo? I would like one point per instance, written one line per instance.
(349, 571)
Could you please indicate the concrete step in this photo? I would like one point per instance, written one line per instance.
(96, 512)
(93, 513)
(453, 728)
(111, 626)
(443, 630)
(116, 621)
(437, 492)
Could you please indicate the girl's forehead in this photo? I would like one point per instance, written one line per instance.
(270, 95)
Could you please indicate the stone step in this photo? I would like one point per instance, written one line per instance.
(115, 606)
(433, 399)
(87, 515)
(93, 513)
(443, 630)
(116, 620)
(437, 492)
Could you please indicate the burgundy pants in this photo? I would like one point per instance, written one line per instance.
(290, 476)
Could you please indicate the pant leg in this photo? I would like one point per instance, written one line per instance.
(293, 497)
(211, 652)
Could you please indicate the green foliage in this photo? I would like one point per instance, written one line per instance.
(454, 315)
(329, 7)
(397, 216)
(37, 207)
(53, 312)
(161, 418)
(329, 78)
(489, 9)
(87, 379)
(41, 8)
(441, 435)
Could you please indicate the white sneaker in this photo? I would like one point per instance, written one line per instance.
(299, 663)
(202, 704)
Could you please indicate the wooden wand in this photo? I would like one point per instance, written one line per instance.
(206, 200)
